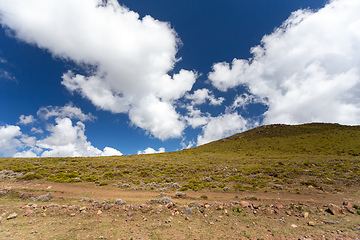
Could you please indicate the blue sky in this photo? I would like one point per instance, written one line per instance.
(92, 78)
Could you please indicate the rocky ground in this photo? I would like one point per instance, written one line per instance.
(44, 210)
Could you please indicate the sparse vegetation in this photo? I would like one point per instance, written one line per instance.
(316, 159)
(275, 156)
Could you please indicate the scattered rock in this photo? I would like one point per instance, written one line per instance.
(9, 174)
(306, 214)
(28, 213)
(76, 179)
(244, 204)
(162, 190)
(44, 198)
(152, 201)
(4, 192)
(207, 179)
(255, 205)
(329, 222)
(169, 220)
(180, 195)
(165, 200)
(11, 216)
(188, 211)
(119, 202)
(226, 189)
(294, 226)
(171, 185)
(194, 204)
(334, 209)
(108, 206)
(25, 196)
(350, 210)
(278, 206)
(311, 223)
(87, 199)
(125, 185)
(163, 194)
(276, 186)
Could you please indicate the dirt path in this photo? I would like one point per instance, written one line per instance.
(85, 189)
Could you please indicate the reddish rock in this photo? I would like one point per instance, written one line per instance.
(28, 213)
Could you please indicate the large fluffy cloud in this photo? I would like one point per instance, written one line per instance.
(64, 139)
(67, 140)
(130, 57)
(306, 70)
(9, 140)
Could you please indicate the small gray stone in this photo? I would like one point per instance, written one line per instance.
(188, 211)
(194, 204)
(329, 222)
(119, 202)
(44, 198)
(180, 195)
(108, 206)
(165, 200)
(87, 199)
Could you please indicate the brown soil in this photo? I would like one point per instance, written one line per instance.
(231, 221)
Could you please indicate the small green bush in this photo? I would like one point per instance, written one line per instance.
(184, 188)
(204, 197)
(32, 176)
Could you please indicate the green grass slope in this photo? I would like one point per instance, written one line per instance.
(278, 139)
(325, 156)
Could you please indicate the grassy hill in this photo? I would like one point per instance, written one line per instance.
(279, 139)
(325, 156)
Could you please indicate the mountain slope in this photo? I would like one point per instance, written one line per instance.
(313, 138)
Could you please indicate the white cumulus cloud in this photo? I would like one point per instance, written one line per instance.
(64, 139)
(130, 57)
(26, 119)
(222, 126)
(9, 139)
(150, 150)
(201, 95)
(306, 70)
(67, 140)
(108, 151)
